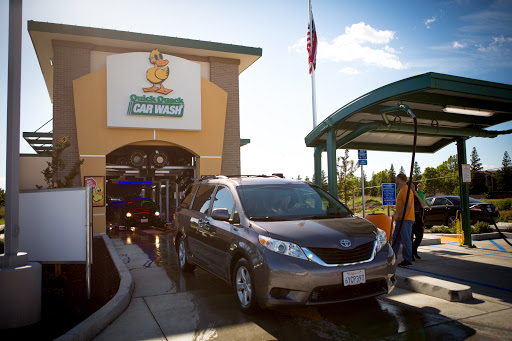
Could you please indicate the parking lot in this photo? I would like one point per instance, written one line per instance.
(169, 305)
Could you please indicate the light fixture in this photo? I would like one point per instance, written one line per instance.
(51, 61)
(467, 111)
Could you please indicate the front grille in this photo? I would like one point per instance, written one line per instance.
(337, 256)
(343, 293)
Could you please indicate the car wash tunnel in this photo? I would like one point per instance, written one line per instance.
(446, 108)
(159, 174)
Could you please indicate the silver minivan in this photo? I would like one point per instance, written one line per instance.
(281, 242)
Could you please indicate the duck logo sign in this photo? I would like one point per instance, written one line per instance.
(156, 105)
(173, 82)
(157, 74)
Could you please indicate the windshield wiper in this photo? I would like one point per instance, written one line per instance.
(328, 216)
(268, 218)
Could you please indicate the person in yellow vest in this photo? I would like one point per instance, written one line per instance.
(406, 231)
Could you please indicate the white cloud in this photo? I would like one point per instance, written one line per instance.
(430, 21)
(495, 44)
(349, 71)
(457, 45)
(359, 43)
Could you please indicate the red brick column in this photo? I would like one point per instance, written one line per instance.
(69, 63)
(225, 75)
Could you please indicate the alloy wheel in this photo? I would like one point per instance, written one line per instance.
(244, 286)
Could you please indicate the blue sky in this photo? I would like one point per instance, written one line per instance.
(363, 45)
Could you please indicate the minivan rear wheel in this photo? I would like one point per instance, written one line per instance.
(244, 286)
(185, 266)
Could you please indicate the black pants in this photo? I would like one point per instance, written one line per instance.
(417, 235)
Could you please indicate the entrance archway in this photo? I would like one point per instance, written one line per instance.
(157, 172)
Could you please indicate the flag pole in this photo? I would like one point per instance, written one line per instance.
(313, 87)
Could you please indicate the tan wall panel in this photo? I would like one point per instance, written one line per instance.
(30, 171)
(99, 220)
(95, 138)
(209, 166)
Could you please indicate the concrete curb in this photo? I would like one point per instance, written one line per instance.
(95, 323)
(488, 236)
(449, 291)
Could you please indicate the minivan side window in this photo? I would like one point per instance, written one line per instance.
(189, 194)
(224, 199)
(203, 197)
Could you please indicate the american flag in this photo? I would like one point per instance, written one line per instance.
(312, 46)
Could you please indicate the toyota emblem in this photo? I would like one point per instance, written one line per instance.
(345, 243)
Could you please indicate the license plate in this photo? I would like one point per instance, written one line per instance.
(489, 209)
(354, 277)
(144, 220)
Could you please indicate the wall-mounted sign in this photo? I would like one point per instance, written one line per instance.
(466, 173)
(97, 183)
(153, 90)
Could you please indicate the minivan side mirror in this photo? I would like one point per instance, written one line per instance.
(221, 214)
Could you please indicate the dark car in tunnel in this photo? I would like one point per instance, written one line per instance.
(281, 242)
(443, 210)
(140, 212)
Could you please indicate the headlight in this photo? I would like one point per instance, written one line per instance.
(279, 246)
(382, 239)
(128, 214)
(157, 213)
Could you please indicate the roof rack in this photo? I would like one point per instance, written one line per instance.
(207, 177)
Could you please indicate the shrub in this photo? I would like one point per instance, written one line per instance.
(443, 229)
(506, 216)
(482, 227)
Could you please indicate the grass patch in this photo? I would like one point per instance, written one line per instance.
(2, 215)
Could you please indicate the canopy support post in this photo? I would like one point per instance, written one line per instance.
(332, 174)
(464, 193)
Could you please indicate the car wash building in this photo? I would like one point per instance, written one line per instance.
(145, 113)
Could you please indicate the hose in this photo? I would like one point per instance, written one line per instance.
(409, 183)
(495, 225)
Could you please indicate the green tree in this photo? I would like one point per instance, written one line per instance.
(449, 172)
(391, 175)
(416, 171)
(504, 175)
(402, 170)
(323, 180)
(477, 185)
(298, 177)
(307, 178)
(54, 173)
(431, 182)
(2, 197)
(346, 169)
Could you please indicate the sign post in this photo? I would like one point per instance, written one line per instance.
(362, 156)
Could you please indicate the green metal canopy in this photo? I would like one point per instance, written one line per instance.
(360, 125)
(447, 108)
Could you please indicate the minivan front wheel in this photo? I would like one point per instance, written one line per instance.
(244, 286)
(185, 266)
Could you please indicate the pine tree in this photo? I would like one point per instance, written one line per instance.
(346, 169)
(477, 185)
(392, 174)
(416, 171)
(504, 175)
(402, 170)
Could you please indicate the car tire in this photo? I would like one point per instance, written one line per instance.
(244, 286)
(185, 266)
(450, 220)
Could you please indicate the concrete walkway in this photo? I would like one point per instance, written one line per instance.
(442, 268)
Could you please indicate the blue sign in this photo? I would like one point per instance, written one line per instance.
(363, 162)
(361, 154)
(388, 194)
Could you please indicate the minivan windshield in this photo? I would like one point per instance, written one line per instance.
(295, 201)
